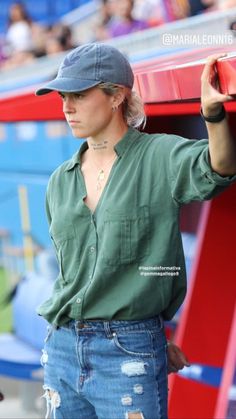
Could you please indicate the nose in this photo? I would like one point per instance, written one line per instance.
(68, 104)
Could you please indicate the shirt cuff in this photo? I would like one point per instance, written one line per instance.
(212, 176)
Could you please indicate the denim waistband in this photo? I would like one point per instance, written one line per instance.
(114, 325)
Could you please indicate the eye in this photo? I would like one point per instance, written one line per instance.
(79, 95)
(61, 95)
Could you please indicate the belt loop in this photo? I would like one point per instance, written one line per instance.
(160, 321)
(75, 326)
(107, 329)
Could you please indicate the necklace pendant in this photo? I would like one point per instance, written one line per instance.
(101, 175)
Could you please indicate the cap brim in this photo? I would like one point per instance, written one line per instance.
(67, 85)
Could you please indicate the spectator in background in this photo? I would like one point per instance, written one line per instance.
(122, 22)
(176, 9)
(225, 4)
(106, 14)
(64, 35)
(200, 6)
(58, 38)
(19, 44)
(19, 33)
(232, 27)
(152, 11)
(106, 11)
(45, 41)
(53, 46)
(2, 52)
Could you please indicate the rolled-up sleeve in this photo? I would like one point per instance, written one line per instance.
(192, 178)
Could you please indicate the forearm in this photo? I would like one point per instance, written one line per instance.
(222, 148)
(222, 145)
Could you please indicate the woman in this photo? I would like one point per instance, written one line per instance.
(122, 21)
(22, 37)
(113, 214)
(19, 34)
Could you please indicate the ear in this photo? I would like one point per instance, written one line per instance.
(119, 97)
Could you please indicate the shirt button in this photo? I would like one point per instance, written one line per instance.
(92, 249)
(78, 300)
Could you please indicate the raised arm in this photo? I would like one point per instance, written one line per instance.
(222, 146)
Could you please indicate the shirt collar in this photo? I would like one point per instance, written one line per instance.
(120, 148)
(130, 135)
(75, 160)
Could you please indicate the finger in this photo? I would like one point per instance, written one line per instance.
(176, 358)
(176, 366)
(182, 360)
(228, 98)
(172, 368)
(181, 364)
(209, 65)
(220, 98)
(225, 98)
(215, 57)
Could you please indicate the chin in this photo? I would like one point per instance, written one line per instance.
(80, 133)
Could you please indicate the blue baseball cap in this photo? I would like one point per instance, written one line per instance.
(88, 65)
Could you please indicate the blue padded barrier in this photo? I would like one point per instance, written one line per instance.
(32, 291)
(205, 374)
(20, 352)
(29, 153)
(18, 359)
(10, 216)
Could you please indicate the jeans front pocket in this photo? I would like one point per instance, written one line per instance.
(134, 343)
(125, 236)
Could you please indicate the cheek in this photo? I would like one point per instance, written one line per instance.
(101, 111)
(102, 116)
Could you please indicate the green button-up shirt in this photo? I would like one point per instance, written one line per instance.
(125, 260)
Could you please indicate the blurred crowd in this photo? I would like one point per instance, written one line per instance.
(26, 39)
(122, 17)
(200, 6)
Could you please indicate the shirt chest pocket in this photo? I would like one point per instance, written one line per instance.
(65, 242)
(126, 236)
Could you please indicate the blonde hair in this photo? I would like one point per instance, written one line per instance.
(132, 106)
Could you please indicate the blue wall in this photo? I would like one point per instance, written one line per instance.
(29, 152)
(45, 11)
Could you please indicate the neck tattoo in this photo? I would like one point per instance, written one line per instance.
(100, 146)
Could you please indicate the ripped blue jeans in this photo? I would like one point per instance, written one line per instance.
(106, 370)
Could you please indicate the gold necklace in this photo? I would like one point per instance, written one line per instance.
(101, 173)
